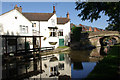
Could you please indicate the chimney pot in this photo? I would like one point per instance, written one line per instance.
(18, 8)
(15, 6)
(54, 9)
(68, 15)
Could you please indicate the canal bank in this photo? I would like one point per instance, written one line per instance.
(74, 64)
(108, 68)
(57, 50)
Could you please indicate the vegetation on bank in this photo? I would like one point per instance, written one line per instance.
(76, 33)
(62, 47)
(108, 68)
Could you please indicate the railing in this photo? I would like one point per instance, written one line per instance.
(21, 58)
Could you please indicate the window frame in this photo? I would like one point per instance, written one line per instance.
(53, 32)
(23, 29)
(60, 32)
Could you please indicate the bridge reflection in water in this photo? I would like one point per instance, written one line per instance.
(71, 64)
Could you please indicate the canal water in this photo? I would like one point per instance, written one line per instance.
(73, 64)
(70, 64)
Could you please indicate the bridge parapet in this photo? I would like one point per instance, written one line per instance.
(103, 33)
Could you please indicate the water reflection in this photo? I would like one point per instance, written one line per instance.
(71, 64)
(75, 64)
(83, 70)
(55, 65)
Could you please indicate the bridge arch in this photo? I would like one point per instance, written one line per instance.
(108, 40)
(96, 38)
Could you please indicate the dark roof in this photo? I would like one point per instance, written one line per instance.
(62, 20)
(38, 16)
(87, 27)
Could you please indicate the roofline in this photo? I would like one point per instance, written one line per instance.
(33, 12)
(24, 16)
(39, 20)
(7, 12)
(17, 11)
(63, 17)
(64, 23)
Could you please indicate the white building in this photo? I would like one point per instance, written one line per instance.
(63, 25)
(14, 23)
(55, 30)
(55, 65)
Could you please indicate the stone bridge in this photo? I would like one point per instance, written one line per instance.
(96, 38)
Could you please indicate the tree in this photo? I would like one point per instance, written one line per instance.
(91, 11)
(76, 33)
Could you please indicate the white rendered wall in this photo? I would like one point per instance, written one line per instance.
(11, 26)
(46, 61)
(44, 31)
(66, 32)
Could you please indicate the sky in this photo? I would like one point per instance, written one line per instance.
(61, 10)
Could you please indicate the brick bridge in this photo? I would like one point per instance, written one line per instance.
(96, 38)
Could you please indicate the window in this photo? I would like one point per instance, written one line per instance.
(33, 24)
(15, 17)
(60, 32)
(20, 28)
(53, 32)
(61, 66)
(53, 22)
(53, 71)
(27, 29)
(23, 29)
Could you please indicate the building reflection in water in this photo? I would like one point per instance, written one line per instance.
(75, 64)
(55, 65)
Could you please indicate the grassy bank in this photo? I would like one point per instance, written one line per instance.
(62, 47)
(108, 68)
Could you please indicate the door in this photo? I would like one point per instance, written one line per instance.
(61, 42)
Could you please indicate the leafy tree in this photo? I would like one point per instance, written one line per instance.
(76, 33)
(91, 11)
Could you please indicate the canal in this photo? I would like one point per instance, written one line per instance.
(69, 64)
(72, 64)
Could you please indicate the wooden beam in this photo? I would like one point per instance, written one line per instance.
(6, 44)
(16, 45)
(25, 46)
(19, 36)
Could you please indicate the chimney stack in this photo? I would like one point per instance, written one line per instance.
(68, 15)
(54, 9)
(18, 8)
(15, 6)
